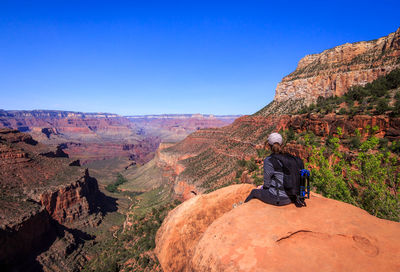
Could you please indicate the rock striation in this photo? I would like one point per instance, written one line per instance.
(42, 200)
(101, 136)
(334, 70)
(206, 233)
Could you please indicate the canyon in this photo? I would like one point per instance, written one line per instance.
(53, 209)
(99, 136)
(62, 211)
(42, 208)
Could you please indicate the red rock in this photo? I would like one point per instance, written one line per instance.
(42, 196)
(206, 234)
(184, 225)
(333, 71)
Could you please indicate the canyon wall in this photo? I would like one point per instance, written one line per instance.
(334, 70)
(99, 136)
(42, 201)
(208, 158)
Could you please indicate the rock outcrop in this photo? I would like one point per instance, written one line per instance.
(42, 201)
(334, 70)
(206, 233)
(72, 202)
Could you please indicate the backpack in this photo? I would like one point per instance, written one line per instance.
(291, 167)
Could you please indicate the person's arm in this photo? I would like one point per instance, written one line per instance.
(268, 173)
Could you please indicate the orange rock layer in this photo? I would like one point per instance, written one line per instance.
(206, 233)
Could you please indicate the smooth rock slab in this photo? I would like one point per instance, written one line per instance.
(327, 235)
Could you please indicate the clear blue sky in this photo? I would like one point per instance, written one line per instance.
(153, 57)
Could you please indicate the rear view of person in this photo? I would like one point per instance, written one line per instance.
(281, 176)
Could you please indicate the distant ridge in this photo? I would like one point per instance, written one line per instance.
(180, 116)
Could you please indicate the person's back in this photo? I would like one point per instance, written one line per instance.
(273, 190)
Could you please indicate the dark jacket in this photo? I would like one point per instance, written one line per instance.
(273, 181)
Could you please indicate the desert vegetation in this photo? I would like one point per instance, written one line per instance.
(113, 187)
(131, 249)
(382, 96)
(367, 177)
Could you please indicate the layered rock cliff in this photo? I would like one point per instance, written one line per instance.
(42, 199)
(99, 136)
(206, 233)
(333, 71)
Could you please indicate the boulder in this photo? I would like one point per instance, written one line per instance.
(206, 233)
(182, 229)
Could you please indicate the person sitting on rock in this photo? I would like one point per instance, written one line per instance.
(273, 191)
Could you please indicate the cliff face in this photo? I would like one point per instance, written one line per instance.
(334, 70)
(72, 202)
(206, 233)
(42, 199)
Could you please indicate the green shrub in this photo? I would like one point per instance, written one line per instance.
(242, 163)
(290, 135)
(382, 106)
(370, 181)
(262, 153)
(342, 111)
(239, 173)
(365, 95)
(113, 187)
(395, 147)
(251, 165)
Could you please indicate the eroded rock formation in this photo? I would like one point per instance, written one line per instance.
(334, 70)
(42, 201)
(206, 233)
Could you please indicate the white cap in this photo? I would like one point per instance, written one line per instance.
(275, 138)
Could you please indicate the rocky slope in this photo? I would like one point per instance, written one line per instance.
(333, 71)
(206, 233)
(208, 158)
(43, 201)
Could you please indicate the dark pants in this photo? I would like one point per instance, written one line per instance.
(267, 197)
